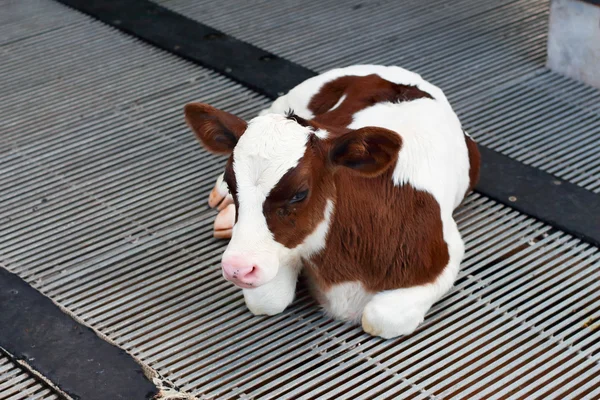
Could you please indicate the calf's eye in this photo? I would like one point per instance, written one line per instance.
(298, 197)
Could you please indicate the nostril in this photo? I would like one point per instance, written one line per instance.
(252, 272)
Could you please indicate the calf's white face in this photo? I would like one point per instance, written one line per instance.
(270, 147)
(280, 174)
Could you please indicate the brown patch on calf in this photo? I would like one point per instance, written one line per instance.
(474, 162)
(365, 152)
(361, 92)
(291, 223)
(385, 236)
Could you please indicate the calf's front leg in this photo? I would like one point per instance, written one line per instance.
(399, 312)
(223, 225)
(274, 296)
(396, 312)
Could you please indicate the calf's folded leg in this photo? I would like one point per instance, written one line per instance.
(274, 296)
(399, 312)
(221, 199)
(223, 225)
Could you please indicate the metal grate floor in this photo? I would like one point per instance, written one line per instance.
(488, 56)
(17, 384)
(102, 208)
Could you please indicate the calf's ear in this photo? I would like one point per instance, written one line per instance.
(368, 151)
(218, 130)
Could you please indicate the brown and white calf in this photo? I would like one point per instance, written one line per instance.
(357, 186)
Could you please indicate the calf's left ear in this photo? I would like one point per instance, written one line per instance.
(368, 151)
(218, 130)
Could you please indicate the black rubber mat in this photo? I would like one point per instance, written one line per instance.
(70, 355)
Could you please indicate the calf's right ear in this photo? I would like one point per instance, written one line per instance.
(218, 130)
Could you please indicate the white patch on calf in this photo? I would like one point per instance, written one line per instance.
(321, 134)
(346, 301)
(340, 101)
(315, 242)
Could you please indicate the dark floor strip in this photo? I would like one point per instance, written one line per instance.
(534, 192)
(565, 206)
(70, 355)
(255, 68)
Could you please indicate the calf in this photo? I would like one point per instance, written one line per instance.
(353, 175)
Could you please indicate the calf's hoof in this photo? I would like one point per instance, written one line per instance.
(219, 194)
(390, 320)
(224, 222)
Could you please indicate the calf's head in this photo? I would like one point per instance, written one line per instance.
(281, 175)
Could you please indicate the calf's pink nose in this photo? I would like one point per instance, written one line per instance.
(239, 271)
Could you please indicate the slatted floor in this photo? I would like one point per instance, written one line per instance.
(18, 384)
(103, 205)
